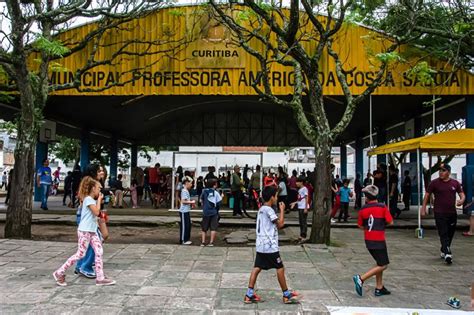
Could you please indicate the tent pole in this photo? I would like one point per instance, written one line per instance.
(418, 187)
(173, 186)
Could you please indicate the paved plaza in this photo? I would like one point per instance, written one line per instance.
(163, 278)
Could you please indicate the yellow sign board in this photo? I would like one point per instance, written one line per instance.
(212, 64)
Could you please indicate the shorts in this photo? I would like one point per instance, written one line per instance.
(154, 188)
(140, 190)
(267, 261)
(211, 222)
(380, 256)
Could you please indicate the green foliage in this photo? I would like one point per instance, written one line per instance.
(66, 149)
(176, 12)
(422, 73)
(53, 48)
(278, 149)
(9, 127)
(389, 58)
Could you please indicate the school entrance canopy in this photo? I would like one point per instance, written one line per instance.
(444, 143)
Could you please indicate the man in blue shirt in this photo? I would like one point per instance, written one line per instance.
(44, 181)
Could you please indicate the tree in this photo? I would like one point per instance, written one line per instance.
(299, 38)
(32, 47)
(441, 29)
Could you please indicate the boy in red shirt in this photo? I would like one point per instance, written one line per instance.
(373, 218)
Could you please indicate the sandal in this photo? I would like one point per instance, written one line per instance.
(467, 234)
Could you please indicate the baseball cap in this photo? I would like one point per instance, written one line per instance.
(371, 190)
(446, 167)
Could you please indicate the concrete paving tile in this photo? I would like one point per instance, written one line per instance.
(202, 276)
(192, 283)
(163, 291)
(99, 309)
(146, 302)
(14, 309)
(108, 299)
(27, 297)
(200, 292)
(190, 303)
(234, 280)
(47, 309)
(141, 310)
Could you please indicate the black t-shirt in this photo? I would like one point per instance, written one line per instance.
(393, 180)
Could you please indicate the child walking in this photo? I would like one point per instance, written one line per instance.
(303, 206)
(345, 192)
(89, 194)
(211, 201)
(373, 217)
(268, 253)
(185, 216)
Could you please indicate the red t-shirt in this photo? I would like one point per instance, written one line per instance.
(374, 217)
(153, 176)
(444, 195)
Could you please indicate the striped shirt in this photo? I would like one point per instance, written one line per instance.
(374, 217)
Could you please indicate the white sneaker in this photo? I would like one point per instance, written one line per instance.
(187, 243)
(442, 255)
(333, 220)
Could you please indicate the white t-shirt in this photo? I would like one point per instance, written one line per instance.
(302, 193)
(267, 231)
(88, 219)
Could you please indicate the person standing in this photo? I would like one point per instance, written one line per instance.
(444, 189)
(184, 212)
(210, 175)
(154, 181)
(211, 201)
(373, 218)
(67, 187)
(9, 185)
(117, 188)
(4, 181)
(406, 190)
(283, 192)
(358, 192)
(236, 189)
(345, 193)
(139, 176)
(303, 208)
(76, 180)
(368, 180)
(393, 192)
(44, 181)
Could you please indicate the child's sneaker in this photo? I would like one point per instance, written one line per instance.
(60, 280)
(448, 258)
(105, 282)
(187, 243)
(358, 284)
(293, 298)
(203, 244)
(383, 291)
(210, 245)
(252, 299)
(454, 302)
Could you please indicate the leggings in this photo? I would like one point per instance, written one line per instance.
(84, 239)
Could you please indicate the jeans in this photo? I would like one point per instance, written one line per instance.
(393, 205)
(44, 195)
(303, 218)
(344, 211)
(446, 227)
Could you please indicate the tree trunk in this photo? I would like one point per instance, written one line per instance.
(321, 227)
(19, 211)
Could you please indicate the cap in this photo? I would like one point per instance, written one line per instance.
(446, 167)
(371, 190)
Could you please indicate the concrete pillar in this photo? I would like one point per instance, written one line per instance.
(134, 155)
(470, 124)
(414, 184)
(85, 149)
(381, 139)
(41, 154)
(343, 155)
(113, 157)
(359, 157)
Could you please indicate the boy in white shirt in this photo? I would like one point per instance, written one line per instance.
(303, 206)
(268, 253)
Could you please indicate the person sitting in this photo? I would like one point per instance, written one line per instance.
(117, 189)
